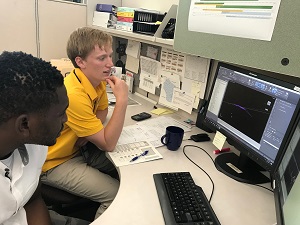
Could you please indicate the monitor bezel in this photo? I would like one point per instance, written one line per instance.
(231, 139)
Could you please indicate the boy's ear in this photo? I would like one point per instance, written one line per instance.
(22, 125)
(80, 62)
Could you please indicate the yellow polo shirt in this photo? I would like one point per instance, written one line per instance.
(84, 101)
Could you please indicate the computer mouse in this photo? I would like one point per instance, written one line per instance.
(200, 137)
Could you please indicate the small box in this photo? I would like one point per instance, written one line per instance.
(106, 8)
(124, 26)
(125, 14)
(125, 19)
(125, 9)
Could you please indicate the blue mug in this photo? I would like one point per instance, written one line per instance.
(173, 137)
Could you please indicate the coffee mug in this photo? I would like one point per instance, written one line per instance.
(173, 137)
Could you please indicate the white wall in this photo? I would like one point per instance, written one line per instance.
(160, 5)
(56, 21)
(17, 24)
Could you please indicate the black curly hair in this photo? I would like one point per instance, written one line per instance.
(27, 84)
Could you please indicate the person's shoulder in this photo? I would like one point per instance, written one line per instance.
(72, 85)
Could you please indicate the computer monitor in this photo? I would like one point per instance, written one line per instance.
(255, 112)
(287, 182)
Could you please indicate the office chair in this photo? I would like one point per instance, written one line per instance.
(68, 204)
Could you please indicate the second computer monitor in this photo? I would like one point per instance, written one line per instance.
(255, 113)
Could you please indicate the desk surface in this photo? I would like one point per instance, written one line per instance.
(234, 203)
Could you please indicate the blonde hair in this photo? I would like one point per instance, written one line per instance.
(83, 40)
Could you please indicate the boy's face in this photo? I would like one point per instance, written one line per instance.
(47, 127)
(96, 66)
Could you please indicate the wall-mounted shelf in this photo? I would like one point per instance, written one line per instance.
(138, 37)
(152, 40)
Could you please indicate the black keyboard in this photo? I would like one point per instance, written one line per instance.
(182, 201)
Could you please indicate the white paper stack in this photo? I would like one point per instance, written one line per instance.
(104, 19)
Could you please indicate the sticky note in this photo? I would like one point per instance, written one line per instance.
(219, 140)
(161, 111)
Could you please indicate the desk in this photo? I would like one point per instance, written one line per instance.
(234, 203)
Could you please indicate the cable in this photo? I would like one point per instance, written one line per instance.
(263, 187)
(213, 185)
(214, 164)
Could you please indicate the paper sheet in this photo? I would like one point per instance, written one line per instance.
(196, 68)
(172, 61)
(151, 130)
(150, 70)
(133, 48)
(132, 64)
(124, 153)
(169, 82)
(183, 100)
(246, 19)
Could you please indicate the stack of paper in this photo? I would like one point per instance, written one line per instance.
(104, 19)
(132, 153)
(150, 130)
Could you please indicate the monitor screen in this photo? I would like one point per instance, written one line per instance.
(255, 113)
(287, 182)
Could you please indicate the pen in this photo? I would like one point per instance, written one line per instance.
(222, 150)
(138, 156)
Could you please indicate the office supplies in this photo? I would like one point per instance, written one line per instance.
(112, 71)
(182, 201)
(106, 8)
(129, 80)
(104, 19)
(255, 115)
(169, 30)
(161, 111)
(141, 116)
(217, 151)
(125, 26)
(125, 154)
(200, 137)
(145, 21)
(138, 156)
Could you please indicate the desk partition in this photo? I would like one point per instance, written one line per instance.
(266, 55)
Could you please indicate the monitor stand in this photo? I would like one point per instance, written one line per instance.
(239, 168)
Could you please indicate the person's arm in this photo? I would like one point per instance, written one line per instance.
(36, 210)
(102, 114)
(107, 138)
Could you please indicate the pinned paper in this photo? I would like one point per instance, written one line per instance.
(219, 140)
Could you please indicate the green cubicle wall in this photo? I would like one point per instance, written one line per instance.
(264, 55)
